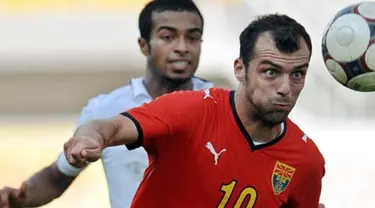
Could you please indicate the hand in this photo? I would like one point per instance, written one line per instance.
(81, 150)
(13, 198)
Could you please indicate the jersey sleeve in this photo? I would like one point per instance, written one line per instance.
(167, 117)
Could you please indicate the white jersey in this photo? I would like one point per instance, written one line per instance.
(123, 168)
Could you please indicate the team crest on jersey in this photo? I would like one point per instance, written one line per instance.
(281, 177)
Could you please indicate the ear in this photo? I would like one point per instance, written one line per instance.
(239, 70)
(143, 45)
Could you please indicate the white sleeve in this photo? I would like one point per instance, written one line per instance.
(88, 113)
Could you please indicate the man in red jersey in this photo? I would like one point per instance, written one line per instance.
(220, 148)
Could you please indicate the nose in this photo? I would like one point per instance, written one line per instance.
(182, 46)
(284, 87)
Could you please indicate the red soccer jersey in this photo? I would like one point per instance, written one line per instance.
(202, 156)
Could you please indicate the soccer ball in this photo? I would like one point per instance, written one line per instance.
(348, 47)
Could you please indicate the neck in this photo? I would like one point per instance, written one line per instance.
(157, 86)
(257, 129)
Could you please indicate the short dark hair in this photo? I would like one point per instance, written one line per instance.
(286, 33)
(145, 17)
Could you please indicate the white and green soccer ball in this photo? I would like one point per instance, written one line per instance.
(348, 47)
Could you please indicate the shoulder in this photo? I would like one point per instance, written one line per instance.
(197, 96)
(193, 101)
(307, 159)
(106, 105)
(200, 83)
(110, 97)
(308, 150)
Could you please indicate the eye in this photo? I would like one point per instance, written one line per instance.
(167, 37)
(298, 75)
(270, 73)
(194, 37)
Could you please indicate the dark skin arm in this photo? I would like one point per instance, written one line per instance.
(40, 189)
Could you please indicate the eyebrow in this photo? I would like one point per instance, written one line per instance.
(268, 62)
(172, 29)
(305, 65)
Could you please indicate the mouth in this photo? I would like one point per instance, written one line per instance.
(179, 65)
(282, 106)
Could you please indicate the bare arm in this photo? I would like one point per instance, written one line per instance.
(40, 189)
(91, 138)
(118, 130)
(149, 126)
(46, 185)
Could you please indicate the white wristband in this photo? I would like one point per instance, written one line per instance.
(66, 168)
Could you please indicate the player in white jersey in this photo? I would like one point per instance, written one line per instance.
(170, 39)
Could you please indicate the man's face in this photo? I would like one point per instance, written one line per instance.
(175, 44)
(274, 79)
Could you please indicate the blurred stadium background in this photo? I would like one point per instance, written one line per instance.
(56, 54)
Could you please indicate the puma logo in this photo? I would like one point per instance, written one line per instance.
(207, 95)
(213, 151)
